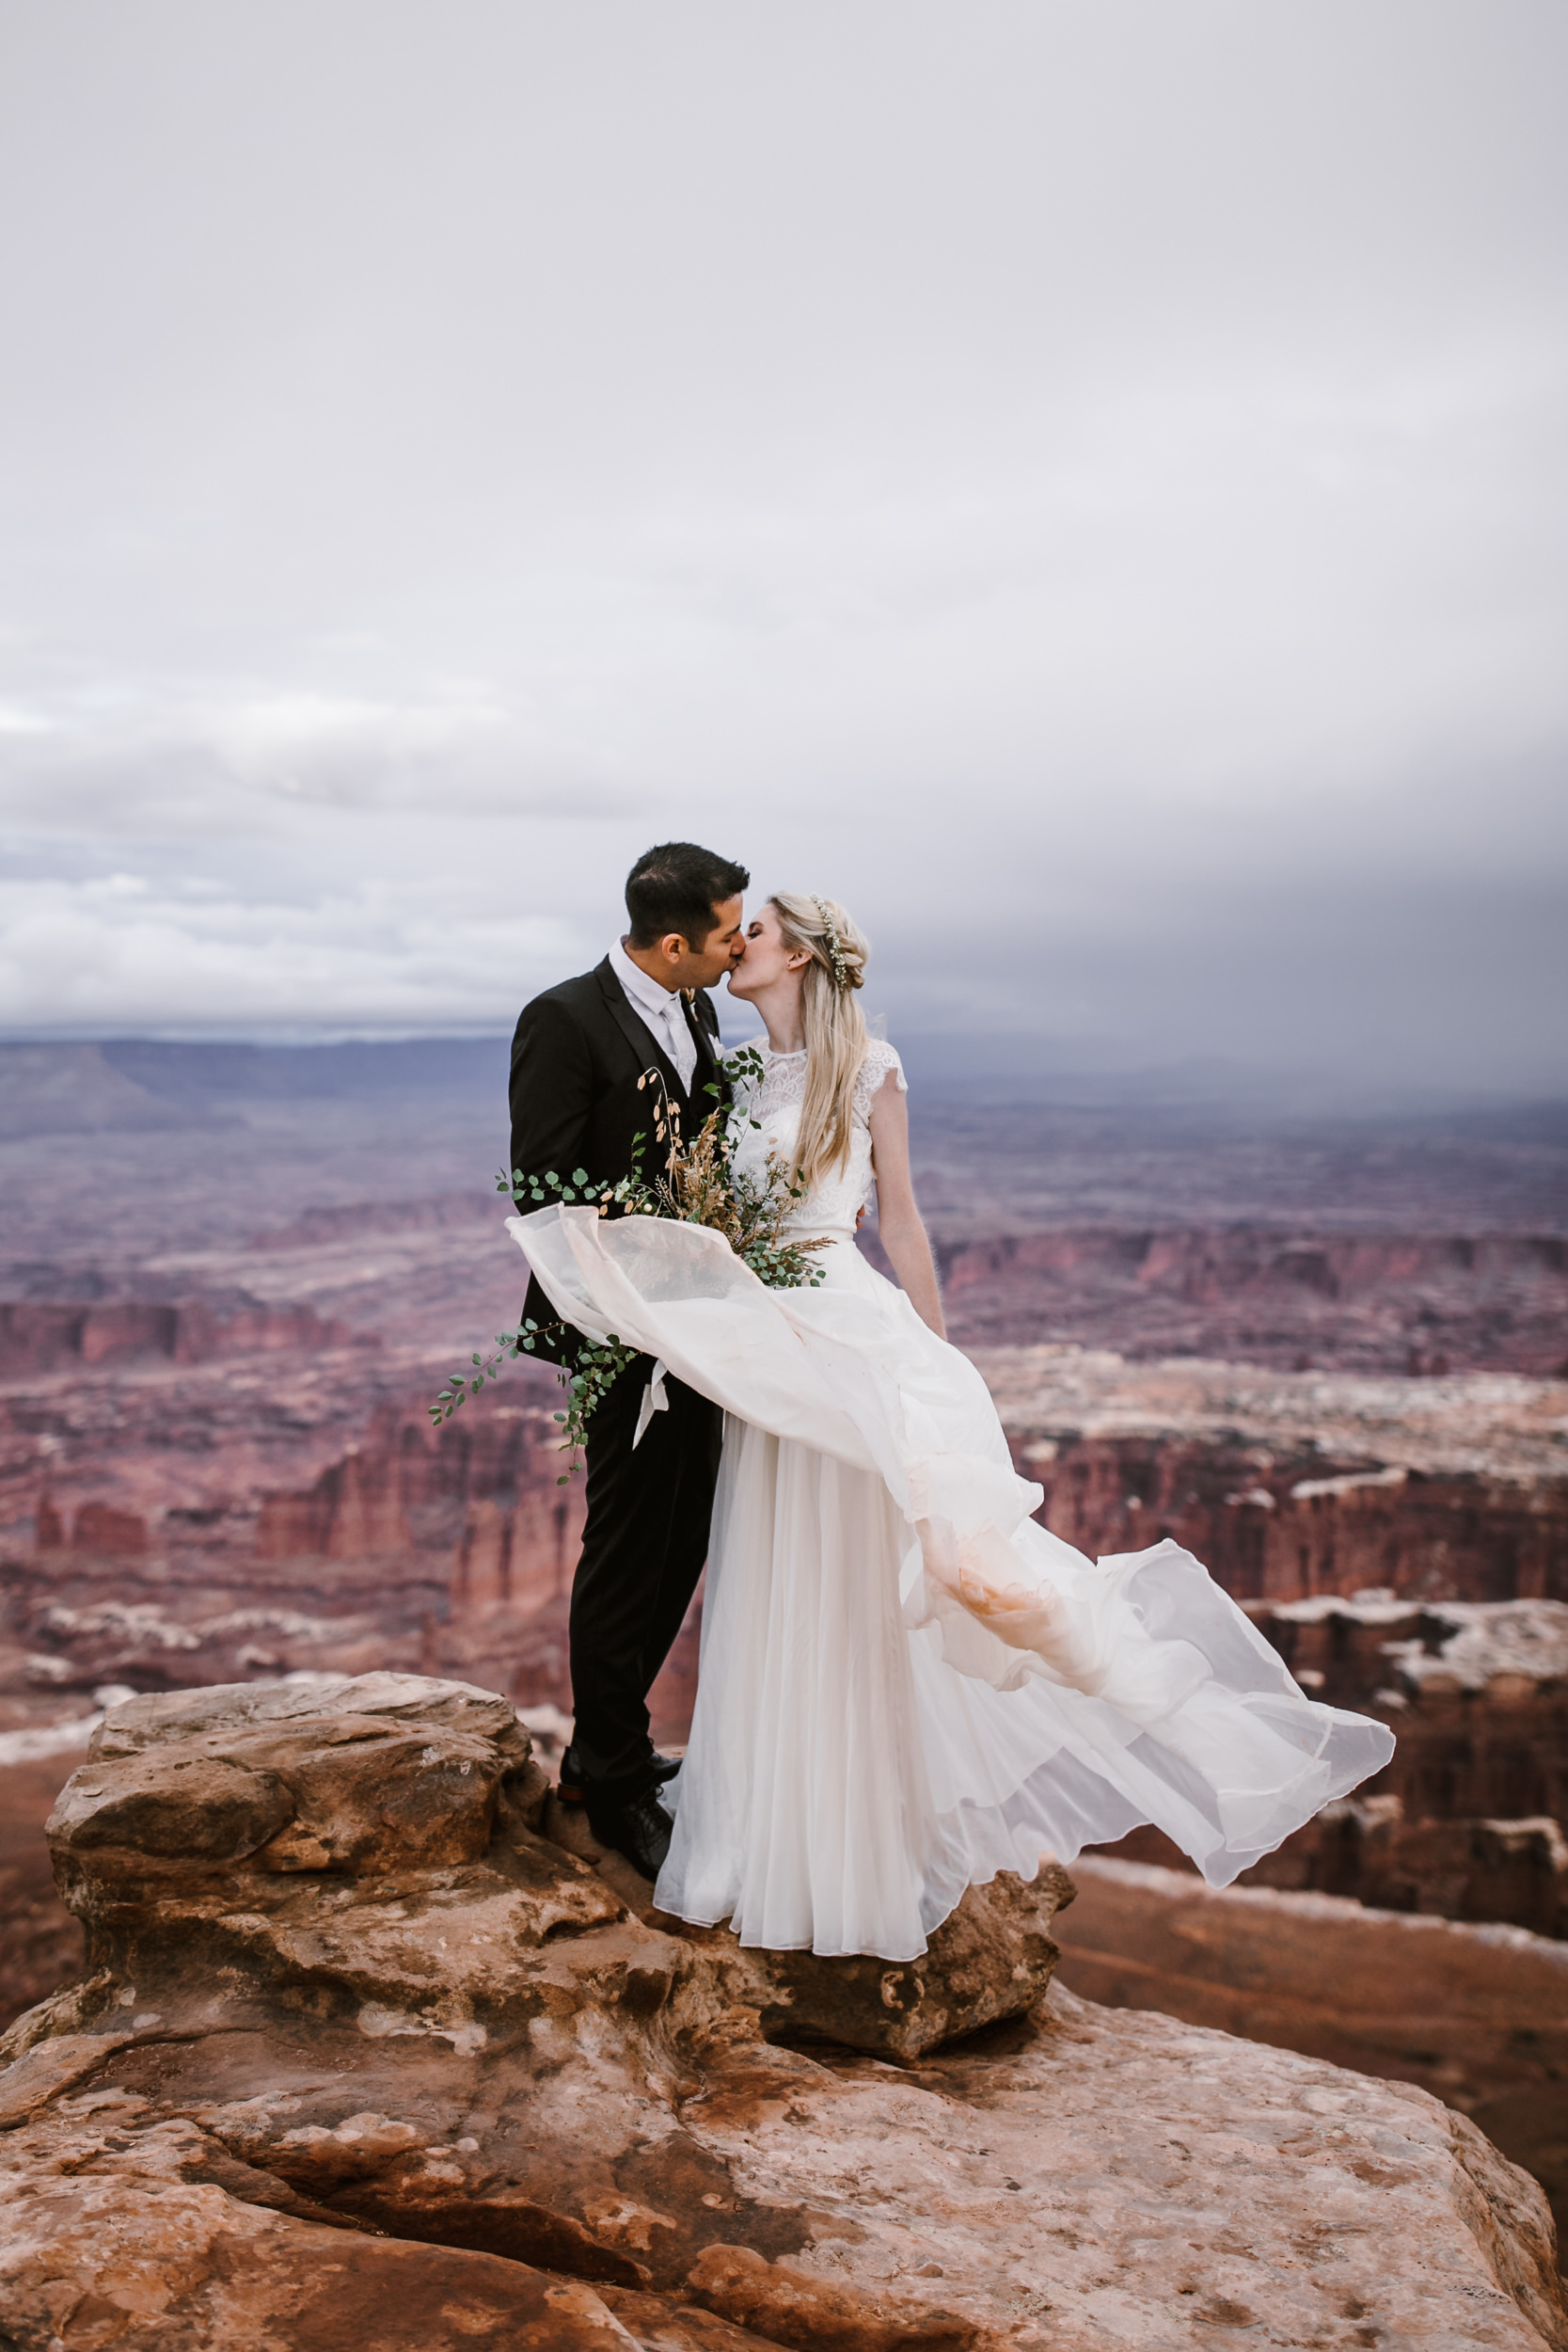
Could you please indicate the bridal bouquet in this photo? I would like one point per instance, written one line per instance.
(700, 1184)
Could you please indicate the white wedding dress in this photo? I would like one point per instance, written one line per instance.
(907, 1684)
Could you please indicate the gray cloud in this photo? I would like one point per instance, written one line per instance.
(1087, 486)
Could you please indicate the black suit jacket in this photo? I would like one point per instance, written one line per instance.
(577, 1055)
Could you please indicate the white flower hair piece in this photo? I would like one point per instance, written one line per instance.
(835, 953)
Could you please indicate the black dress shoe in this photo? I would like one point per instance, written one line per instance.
(574, 1788)
(641, 1829)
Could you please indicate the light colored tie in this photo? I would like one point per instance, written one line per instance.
(680, 1038)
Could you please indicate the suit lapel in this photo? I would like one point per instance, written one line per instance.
(703, 1017)
(709, 1069)
(634, 1030)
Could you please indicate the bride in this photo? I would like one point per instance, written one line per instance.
(907, 1684)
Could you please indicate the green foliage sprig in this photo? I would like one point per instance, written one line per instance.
(595, 1364)
(594, 1367)
(699, 1184)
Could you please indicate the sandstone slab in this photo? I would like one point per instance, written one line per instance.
(156, 2239)
(1478, 2014)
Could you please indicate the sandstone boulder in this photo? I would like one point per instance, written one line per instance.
(993, 1957)
(336, 2075)
(158, 1717)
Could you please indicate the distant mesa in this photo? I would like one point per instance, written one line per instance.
(97, 1528)
(1424, 1304)
(100, 1528)
(132, 1085)
(351, 1220)
(75, 1090)
(42, 1336)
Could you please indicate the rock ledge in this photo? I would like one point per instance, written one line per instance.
(361, 2056)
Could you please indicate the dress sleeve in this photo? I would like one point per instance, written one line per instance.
(879, 1058)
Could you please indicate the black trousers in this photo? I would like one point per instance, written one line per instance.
(644, 1547)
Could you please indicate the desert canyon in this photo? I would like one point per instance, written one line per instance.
(1330, 1355)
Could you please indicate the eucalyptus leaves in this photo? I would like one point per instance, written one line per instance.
(594, 1364)
(699, 1184)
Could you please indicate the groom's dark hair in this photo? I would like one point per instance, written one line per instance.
(676, 887)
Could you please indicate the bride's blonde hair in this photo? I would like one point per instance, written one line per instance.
(834, 1025)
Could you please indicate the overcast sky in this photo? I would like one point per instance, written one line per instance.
(1083, 485)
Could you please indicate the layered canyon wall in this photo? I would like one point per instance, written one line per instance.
(1413, 1303)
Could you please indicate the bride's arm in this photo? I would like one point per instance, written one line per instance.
(898, 1222)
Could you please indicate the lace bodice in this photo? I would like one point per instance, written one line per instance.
(833, 1205)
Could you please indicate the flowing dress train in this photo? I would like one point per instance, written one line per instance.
(907, 1684)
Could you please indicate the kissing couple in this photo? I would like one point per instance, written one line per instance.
(906, 1683)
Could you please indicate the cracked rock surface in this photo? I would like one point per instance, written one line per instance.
(362, 2057)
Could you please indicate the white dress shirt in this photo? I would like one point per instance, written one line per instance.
(661, 1009)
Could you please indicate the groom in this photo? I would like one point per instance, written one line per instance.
(579, 1052)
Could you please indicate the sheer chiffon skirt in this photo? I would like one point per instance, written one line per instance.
(803, 1812)
(906, 1683)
